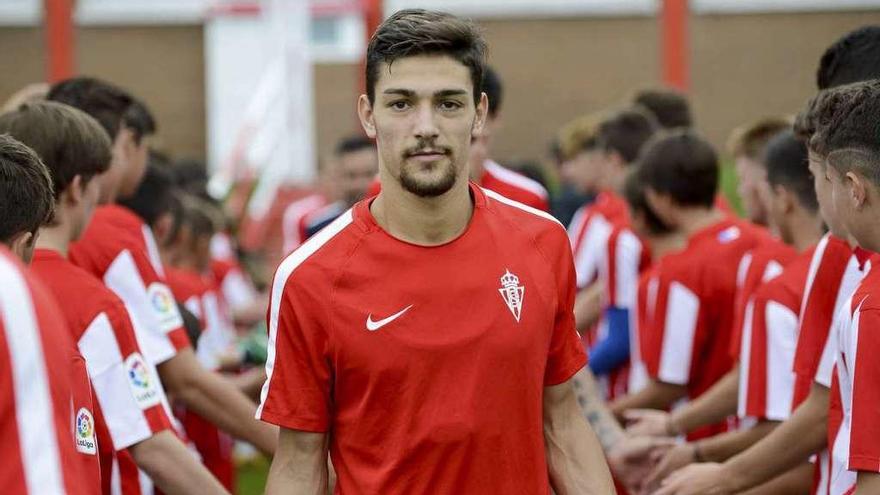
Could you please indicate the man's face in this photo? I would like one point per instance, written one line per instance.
(357, 170)
(112, 178)
(480, 146)
(423, 119)
(583, 171)
(91, 193)
(822, 184)
(136, 154)
(751, 177)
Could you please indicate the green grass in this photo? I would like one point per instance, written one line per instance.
(728, 187)
(252, 476)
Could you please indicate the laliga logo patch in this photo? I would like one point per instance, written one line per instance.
(513, 293)
(729, 234)
(164, 306)
(85, 432)
(140, 381)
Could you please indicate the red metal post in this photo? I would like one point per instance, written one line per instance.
(58, 24)
(676, 48)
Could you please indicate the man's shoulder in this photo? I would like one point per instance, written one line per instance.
(313, 263)
(69, 283)
(528, 220)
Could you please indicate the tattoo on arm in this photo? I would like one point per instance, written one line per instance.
(595, 410)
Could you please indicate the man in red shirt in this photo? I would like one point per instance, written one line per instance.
(847, 136)
(37, 382)
(688, 334)
(833, 276)
(468, 349)
(118, 247)
(130, 407)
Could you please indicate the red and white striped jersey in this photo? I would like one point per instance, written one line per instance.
(769, 338)
(116, 248)
(645, 306)
(513, 185)
(853, 427)
(757, 267)
(132, 403)
(832, 277)
(589, 230)
(36, 413)
(687, 339)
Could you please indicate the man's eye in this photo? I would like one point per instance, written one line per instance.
(450, 105)
(399, 105)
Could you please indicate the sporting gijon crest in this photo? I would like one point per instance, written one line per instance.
(513, 293)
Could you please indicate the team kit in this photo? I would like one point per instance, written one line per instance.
(433, 327)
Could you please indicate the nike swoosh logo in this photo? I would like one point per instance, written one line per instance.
(375, 325)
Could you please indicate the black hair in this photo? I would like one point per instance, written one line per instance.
(785, 158)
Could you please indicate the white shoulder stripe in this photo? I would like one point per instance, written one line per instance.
(34, 411)
(282, 274)
(514, 178)
(534, 211)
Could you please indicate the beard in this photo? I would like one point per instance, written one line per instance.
(429, 185)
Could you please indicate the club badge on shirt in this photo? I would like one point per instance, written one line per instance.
(141, 381)
(513, 293)
(85, 432)
(162, 302)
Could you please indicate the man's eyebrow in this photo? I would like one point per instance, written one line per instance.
(439, 94)
(397, 91)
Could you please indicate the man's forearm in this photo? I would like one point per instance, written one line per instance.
(607, 429)
(172, 467)
(790, 444)
(300, 466)
(798, 481)
(868, 483)
(722, 447)
(711, 407)
(575, 462)
(655, 395)
(220, 402)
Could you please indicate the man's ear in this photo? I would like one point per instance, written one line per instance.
(366, 116)
(482, 112)
(857, 187)
(785, 199)
(22, 244)
(75, 191)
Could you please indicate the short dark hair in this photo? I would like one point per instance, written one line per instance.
(352, 144)
(683, 165)
(140, 120)
(854, 57)
(25, 190)
(197, 215)
(750, 139)
(494, 90)
(785, 158)
(191, 175)
(634, 194)
(412, 32)
(625, 132)
(670, 108)
(68, 141)
(847, 120)
(154, 196)
(105, 102)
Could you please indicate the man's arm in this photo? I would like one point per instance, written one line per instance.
(214, 398)
(868, 483)
(300, 464)
(172, 467)
(798, 481)
(795, 440)
(711, 407)
(655, 395)
(588, 307)
(714, 449)
(575, 460)
(595, 411)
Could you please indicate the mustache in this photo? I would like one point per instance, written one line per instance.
(427, 147)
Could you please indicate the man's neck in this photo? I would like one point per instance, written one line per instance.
(614, 181)
(869, 240)
(55, 238)
(806, 230)
(661, 245)
(693, 220)
(423, 221)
